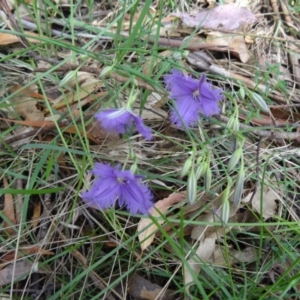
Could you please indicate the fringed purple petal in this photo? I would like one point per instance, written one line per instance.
(145, 131)
(114, 183)
(179, 85)
(191, 96)
(209, 97)
(102, 194)
(185, 113)
(115, 120)
(120, 120)
(137, 198)
(103, 170)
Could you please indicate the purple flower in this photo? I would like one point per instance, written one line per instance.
(112, 183)
(191, 96)
(120, 120)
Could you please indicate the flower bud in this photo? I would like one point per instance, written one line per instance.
(239, 186)
(132, 97)
(201, 169)
(236, 124)
(235, 158)
(177, 55)
(241, 93)
(259, 101)
(134, 168)
(230, 122)
(68, 77)
(186, 167)
(207, 179)
(225, 213)
(106, 71)
(191, 187)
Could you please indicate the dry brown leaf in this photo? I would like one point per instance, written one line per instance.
(226, 17)
(36, 214)
(235, 43)
(8, 38)
(202, 254)
(267, 204)
(99, 134)
(199, 232)
(87, 87)
(24, 104)
(9, 210)
(14, 272)
(140, 288)
(20, 270)
(247, 255)
(22, 252)
(147, 228)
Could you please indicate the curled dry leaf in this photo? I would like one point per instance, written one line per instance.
(202, 254)
(226, 17)
(88, 85)
(24, 104)
(235, 43)
(20, 270)
(219, 257)
(7, 38)
(8, 211)
(10, 274)
(141, 288)
(267, 204)
(10, 256)
(147, 228)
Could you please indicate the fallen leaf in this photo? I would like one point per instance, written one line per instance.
(88, 85)
(24, 104)
(36, 214)
(226, 17)
(140, 288)
(97, 134)
(21, 269)
(202, 254)
(8, 38)
(267, 204)
(219, 259)
(147, 228)
(9, 211)
(235, 43)
(16, 271)
(22, 252)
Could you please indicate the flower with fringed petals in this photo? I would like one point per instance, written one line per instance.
(191, 97)
(112, 184)
(121, 120)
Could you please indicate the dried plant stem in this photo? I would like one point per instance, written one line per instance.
(266, 133)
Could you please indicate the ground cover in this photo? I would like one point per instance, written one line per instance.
(187, 113)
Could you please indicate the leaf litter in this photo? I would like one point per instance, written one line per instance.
(240, 53)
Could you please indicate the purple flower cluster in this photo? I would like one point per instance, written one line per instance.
(112, 183)
(191, 96)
